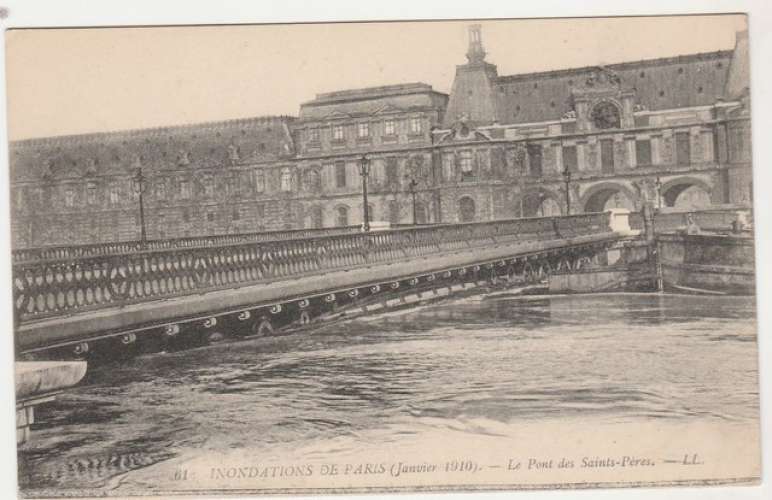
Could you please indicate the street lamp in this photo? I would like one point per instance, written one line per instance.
(139, 188)
(411, 187)
(364, 171)
(567, 180)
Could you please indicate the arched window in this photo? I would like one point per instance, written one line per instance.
(341, 216)
(312, 181)
(259, 181)
(286, 179)
(466, 209)
(605, 115)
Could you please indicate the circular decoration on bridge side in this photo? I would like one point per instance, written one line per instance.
(329, 298)
(210, 322)
(476, 268)
(413, 281)
(462, 272)
(395, 285)
(353, 293)
(489, 266)
(276, 309)
(502, 263)
(446, 274)
(171, 330)
(431, 278)
(128, 338)
(244, 315)
(303, 303)
(375, 288)
(81, 348)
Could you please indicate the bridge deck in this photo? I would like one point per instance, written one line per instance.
(86, 325)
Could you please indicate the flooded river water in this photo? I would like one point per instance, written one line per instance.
(475, 363)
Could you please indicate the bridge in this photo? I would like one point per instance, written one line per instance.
(76, 300)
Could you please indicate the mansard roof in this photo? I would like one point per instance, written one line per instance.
(665, 83)
(372, 100)
(201, 145)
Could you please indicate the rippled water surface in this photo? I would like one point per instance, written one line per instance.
(498, 357)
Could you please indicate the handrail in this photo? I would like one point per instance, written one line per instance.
(57, 287)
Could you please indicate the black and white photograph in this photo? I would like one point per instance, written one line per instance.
(375, 257)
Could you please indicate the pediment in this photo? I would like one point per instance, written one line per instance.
(461, 131)
(337, 115)
(387, 109)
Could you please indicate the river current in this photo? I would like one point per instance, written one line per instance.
(475, 363)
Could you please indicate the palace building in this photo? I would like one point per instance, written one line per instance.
(673, 132)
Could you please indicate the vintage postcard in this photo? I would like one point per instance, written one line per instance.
(497, 254)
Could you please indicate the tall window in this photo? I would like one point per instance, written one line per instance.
(683, 148)
(208, 186)
(389, 128)
(643, 152)
(448, 167)
(607, 156)
(91, 193)
(340, 174)
(286, 179)
(466, 166)
(313, 135)
(392, 172)
(534, 160)
(115, 194)
(259, 181)
(337, 132)
(570, 161)
(394, 212)
(363, 130)
(160, 191)
(341, 216)
(416, 126)
(69, 197)
(185, 192)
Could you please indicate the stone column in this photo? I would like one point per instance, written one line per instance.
(557, 147)
(656, 156)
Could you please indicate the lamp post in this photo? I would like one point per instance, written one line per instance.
(364, 171)
(658, 185)
(139, 188)
(411, 187)
(567, 180)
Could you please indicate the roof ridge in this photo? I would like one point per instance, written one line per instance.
(620, 65)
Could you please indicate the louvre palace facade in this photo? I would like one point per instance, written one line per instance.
(672, 132)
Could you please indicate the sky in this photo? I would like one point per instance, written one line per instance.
(73, 81)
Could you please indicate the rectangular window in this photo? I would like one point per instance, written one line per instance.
(208, 186)
(260, 212)
(160, 191)
(236, 214)
(448, 167)
(466, 166)
(392, 172)
(570, 161)
(337, 133)
(185, 192)
(416, 126)
(534, 160)
(643, 152)
(389, 128)
(210, 216)
(683, 148)
(115, 195)
(340, 174)
(259, 181)
(313, 135)
(607, 156)
(91, 193)
(363, 130)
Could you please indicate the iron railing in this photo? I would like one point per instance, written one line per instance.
(85, 281)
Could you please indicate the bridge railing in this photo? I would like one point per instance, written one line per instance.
(59, 252)
(59, 287)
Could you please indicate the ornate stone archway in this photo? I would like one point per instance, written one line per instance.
(674, 188)
(597, 196)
